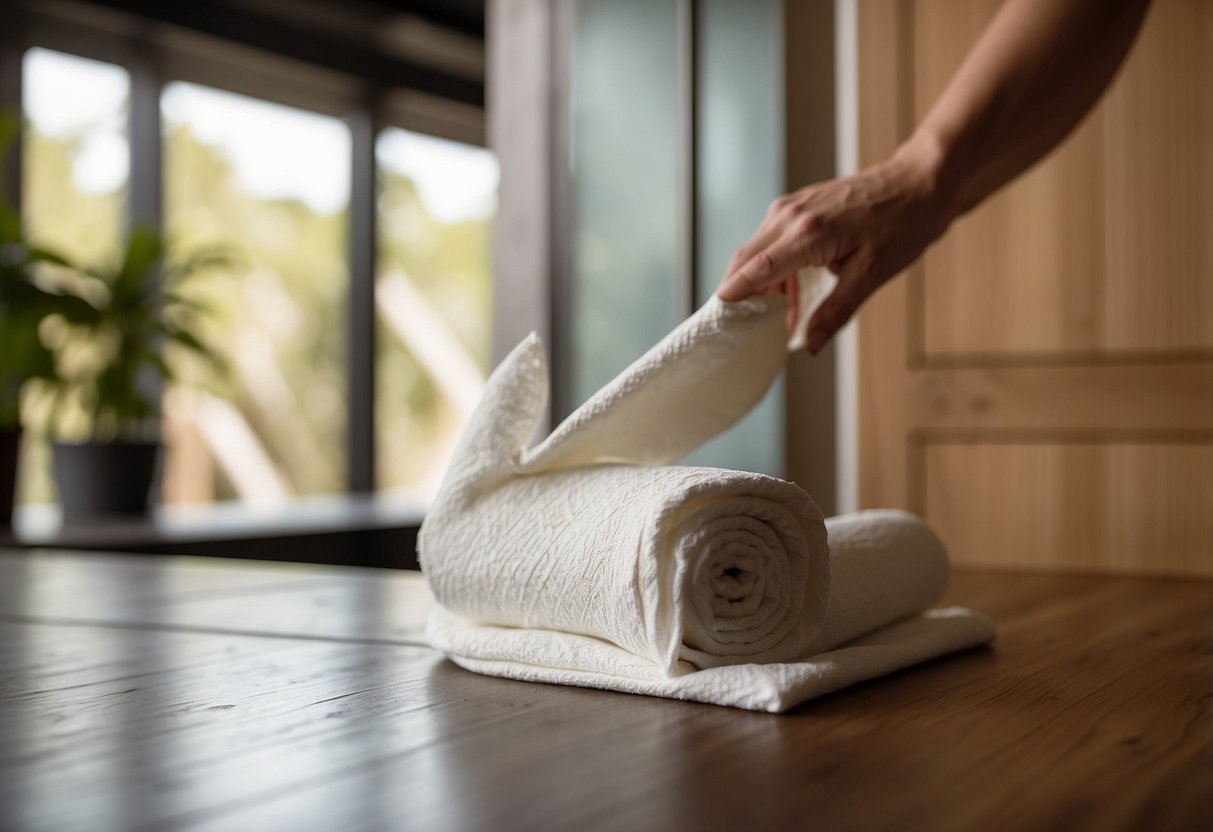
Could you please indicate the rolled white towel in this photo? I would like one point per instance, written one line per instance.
(589, 559)
(886, 565)
(687, 567)
(887, 569)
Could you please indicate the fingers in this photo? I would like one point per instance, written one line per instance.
(855, 284)
(763, 237)
(791, 288)
(770, 265)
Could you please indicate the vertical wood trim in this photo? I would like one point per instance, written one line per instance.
(846, 342)
(360, 339)
(907, 114)
(884, 427)
(809, 96)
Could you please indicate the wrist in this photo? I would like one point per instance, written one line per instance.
(926, 159)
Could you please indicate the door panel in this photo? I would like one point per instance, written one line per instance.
(1088, 505)
(1040, 384)
(991, 282)
(1159, 170)
(1121, 208)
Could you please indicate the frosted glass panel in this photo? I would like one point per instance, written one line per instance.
(626, 152)
(624, 155)
(740, 129)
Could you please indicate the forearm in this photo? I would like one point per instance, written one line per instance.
(1035, 72)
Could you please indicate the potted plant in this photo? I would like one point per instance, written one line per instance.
(24, 303)
(140, 312)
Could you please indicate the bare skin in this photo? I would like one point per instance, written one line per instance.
(1038, 68)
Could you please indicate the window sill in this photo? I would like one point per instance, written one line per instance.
(370, 530)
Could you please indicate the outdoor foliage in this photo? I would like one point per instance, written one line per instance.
(140, 311)
(284, 313)
(25, 303)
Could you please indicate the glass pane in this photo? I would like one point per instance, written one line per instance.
(740, 171)
(436, 205)
(75, 169)
(272, 184)
(624, 145)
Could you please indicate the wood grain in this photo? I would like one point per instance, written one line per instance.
(1159, 172)
(991, 284)
(1091, 712)
(884, 384)
(1145, 398)
(1061, 334)
(1137, 508)
(1103, 246)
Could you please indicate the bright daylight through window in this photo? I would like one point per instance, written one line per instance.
(76, 163)
(270, 186)
(432, 293)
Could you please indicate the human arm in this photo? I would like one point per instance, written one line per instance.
(1038, 68)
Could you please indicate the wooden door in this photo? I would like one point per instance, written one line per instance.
(1040, 384)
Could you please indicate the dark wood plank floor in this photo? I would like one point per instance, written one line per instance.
(204, 694)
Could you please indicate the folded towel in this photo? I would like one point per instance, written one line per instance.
(590, 560)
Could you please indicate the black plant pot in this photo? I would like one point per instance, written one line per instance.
(10, 445)
(99, 479)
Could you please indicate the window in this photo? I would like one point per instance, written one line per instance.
(433, 297)
(75, 173)
(270, 183)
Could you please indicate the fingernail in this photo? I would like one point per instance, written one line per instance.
(817, 340)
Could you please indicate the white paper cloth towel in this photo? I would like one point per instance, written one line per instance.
(591, 560)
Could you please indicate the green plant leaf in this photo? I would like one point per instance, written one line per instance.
(200, 260)
(190, 341)
(194, 305)
(157, 361)
(143, 250)
(141, 313)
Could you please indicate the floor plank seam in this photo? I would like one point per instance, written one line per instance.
(57, 621)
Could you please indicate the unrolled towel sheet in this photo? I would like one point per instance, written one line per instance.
(591, 560)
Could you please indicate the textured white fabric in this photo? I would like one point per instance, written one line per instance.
(591, 560)
(815, 285)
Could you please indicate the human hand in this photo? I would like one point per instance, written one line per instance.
(864, 228)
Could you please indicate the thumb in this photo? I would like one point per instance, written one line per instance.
(854, 287)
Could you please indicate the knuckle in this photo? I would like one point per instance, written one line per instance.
(764, 264)
(808, 224)
(869, 272)
(804, 245)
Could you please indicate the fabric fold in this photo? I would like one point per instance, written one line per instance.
(592, 559)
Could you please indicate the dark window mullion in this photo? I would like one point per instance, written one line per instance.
(145, 189)
(12, 49)
(561, 222)
(360, 430)
(145, 185)
(688, 185)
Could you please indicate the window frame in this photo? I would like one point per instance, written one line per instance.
(156, 55)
